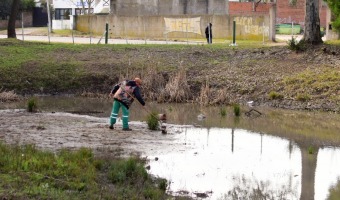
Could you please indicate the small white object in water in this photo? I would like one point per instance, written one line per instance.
(250, 103)
(201, 117)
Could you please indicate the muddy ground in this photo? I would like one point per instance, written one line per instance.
(211, 76)
(54, 131)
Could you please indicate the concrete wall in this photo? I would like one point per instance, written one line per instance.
(176, 26)
(168, 7)
(27, 19)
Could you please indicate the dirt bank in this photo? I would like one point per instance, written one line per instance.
(206, 74)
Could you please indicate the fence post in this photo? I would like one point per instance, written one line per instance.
(22, 26)
(234, 34)
(106, 33)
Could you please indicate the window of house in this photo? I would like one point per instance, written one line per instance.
(63, 13)
(79, 11)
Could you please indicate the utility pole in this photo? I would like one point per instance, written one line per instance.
(49, 16)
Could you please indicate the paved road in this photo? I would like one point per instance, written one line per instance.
(96, 40)
(88, 40)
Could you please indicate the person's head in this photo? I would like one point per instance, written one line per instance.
(138, 81)
(210, 24)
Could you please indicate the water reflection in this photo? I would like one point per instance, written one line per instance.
(236, 158)
(232, 166)
(327, 171)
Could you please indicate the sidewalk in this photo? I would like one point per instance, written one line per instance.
(30, 35)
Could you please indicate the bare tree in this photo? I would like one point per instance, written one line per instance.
(12, 18)
(87, 3)
(312, 33)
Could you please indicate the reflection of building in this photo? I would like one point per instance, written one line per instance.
(65, 10)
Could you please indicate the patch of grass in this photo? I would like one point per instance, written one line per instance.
(29, 173)
(223, 111)
(322, 81)
(274, 95)
(152, 121)
(32, 104)
(311, 150)
(295, 45)
(127, 171)
(237, 110)
(302, 97)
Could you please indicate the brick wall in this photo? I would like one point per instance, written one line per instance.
(288, 13)
(247, 8)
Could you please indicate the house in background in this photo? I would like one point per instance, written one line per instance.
(66, 10)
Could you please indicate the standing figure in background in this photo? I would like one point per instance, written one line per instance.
(208, 33)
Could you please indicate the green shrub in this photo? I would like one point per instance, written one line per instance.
(275, 95)
(223, 112)
(163, 184)
(130, 171)
(295, 45)
(237, 110)
(302, 97)
(32, 105)
(152, 121)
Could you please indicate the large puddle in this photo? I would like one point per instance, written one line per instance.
(256, 157)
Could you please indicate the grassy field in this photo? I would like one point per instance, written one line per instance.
(29, 173)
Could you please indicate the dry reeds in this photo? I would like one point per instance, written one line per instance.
(153, 85)
(211, 96)
(204, 97)
(177, 89)
(8, 96)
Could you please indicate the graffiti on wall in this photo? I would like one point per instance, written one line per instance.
(250, 26)
(191, 25)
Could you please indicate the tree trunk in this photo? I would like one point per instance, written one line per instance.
(12, 18)
(312, 33)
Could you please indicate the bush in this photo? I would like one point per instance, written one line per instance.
(32, 105)
(152, 121)
(275, 95)
(223, 112)
(237, 110)
(302, 97)
(295, 45)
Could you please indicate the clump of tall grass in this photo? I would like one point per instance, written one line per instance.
(204, 96)
(177, 89)
(154, 83)
(274, 95)
(223, 111)
(122, 172)
(302, 97)
(32, 104)
(311, 150)
(152, 121)
(8, 96)
(296, 45)
(237, 110)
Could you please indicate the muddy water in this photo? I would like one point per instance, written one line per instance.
(263, 155)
